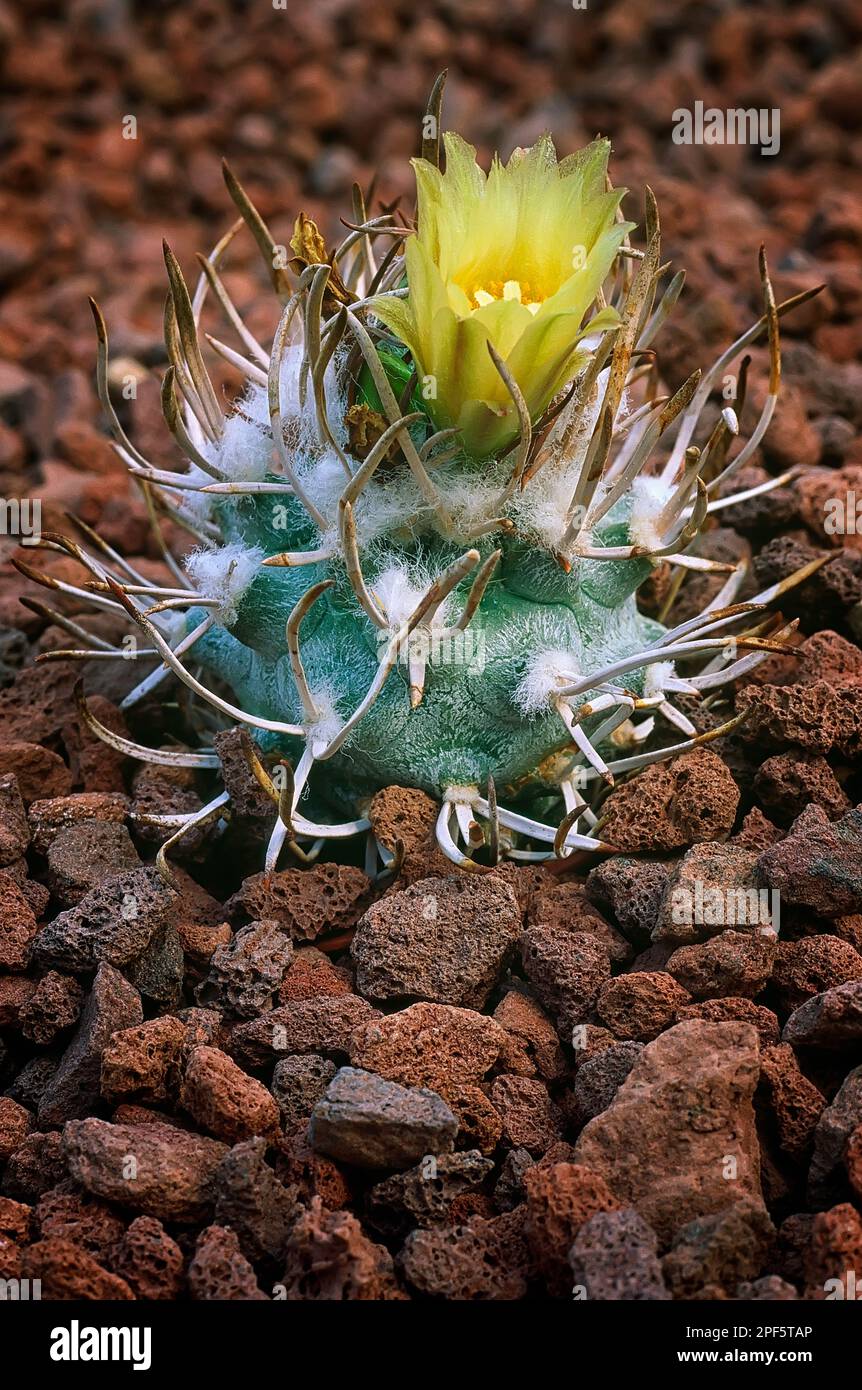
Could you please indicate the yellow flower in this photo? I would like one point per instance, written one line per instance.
(515, 258)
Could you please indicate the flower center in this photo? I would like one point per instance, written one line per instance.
(518, 290)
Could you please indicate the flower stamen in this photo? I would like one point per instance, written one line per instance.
(517, 291)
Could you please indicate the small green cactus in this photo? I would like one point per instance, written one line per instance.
(422, 529)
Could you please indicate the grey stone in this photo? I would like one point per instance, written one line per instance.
(372, 1123)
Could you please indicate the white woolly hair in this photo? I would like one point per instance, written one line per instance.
(245, 450)
(380, 508)
(400, 588)
(224, 574)
(649, 497)
(196, 506)
(302, 430)
(541, 508)
(656, 678)
(546, 672)
(330, 721)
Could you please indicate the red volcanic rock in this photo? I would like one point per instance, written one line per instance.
(328, 1257)
(788, 782)
(444, 940)
(694, 1072)
(819, 864)
(218, 1269)
(560, 1198)
(431, 1045)
(641, 1005)
(672, 805)
(632, 889)
(530, 1118)
(149, 1260)
(54, 1006)
(812, 965)
(143, 1063)
(532, 1045)
(155, 1169)
(795, 1102)
(223, 1099)
(614, 1258)
(39, 772)
(732, 963)
(306, 903)
(323, 1024)
(67, 1272)
(832, 1019)
(15, 1124)
(719, 1251)
(17, 926)
(567, 970)
(245, 973)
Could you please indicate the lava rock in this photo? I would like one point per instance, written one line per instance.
(561, 1197)
(788, 782)
(298, 1083)
(15, 1124)
(444, 940)
(632, 889)
(566, 905)
(372, 1123)
(73, 1091)
(567, 970)
(732, 963)
(253, 1202)
(143, 1064)
(432, 1045)
(222, 1099)
(17, 926)
(837, 1122)
(688, 1099)
(711, 889)
(149, 1260)
(306, 903)
(599, 1078)
(532, 1047)
(530, 1118)
(218, 1270)
(330, 1259)
(50, 816)
(156, 1169)
(66, 1272)
(832, 1019)
(719, 1250)
(421, 1196)
(460, 1263)
(819, 864)
(54, 1006)
(114, 923)
(84, 855)
(811, 966)
(673, 805)
(614, 1257)
(246, 973)
(794, 1101)
(14, 829)
(323, 1024)
(639, 1006)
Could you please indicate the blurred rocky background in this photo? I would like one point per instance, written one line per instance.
(303, 99)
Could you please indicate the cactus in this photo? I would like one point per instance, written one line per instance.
(421, 531)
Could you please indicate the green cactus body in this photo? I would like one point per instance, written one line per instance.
(469, 725)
